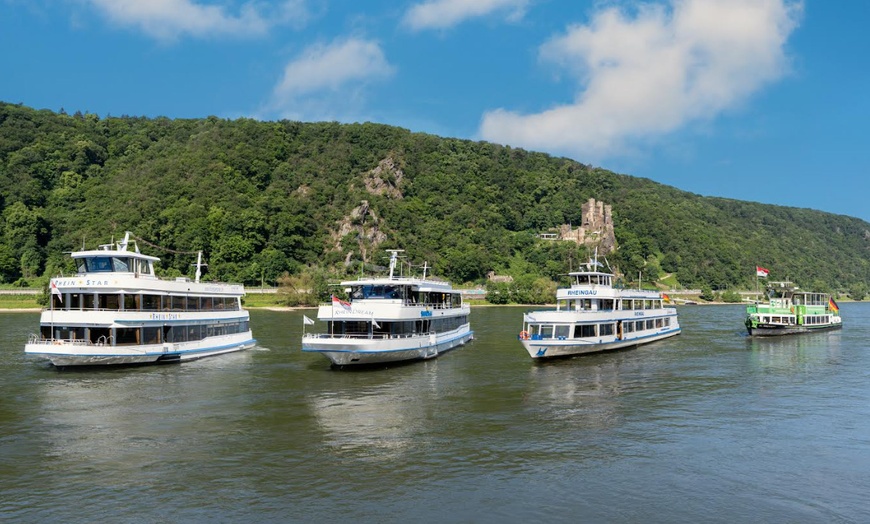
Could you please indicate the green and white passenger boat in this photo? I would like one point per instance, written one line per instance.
(791, 311)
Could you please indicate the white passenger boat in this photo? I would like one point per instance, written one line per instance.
(391, 319)
(593, 316)
(115, 310)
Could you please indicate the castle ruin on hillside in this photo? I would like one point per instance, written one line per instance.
(595, 230)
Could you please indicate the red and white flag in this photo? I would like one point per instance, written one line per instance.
(339, 305)
(56, 291)
(760, 271)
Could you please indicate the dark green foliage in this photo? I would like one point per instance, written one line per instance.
(707, 294)
(731, 296)
(262, 199)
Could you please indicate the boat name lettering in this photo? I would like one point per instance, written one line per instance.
(165, 316)
(352, 312)
(69, 283)
(213, 288)
(575, 292)
(638, 313)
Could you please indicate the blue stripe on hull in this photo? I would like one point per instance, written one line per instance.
(568, 349)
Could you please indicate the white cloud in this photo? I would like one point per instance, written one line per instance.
(171, 19)
(329, 80)
(648, 75)
(441, 14)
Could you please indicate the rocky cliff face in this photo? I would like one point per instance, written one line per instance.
(386, 179)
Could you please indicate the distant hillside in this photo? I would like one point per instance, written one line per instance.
(264, 198)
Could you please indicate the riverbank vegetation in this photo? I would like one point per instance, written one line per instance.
(302, 205)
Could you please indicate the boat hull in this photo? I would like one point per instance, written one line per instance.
(778, 331)
(342, 351)
(67, 354)
(556, 348)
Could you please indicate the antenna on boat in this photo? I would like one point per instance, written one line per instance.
(394, 257)
(122, 245)
(425, 267)
(199, 265)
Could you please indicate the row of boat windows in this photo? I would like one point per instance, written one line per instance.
(113, 265)
(585, 304)
(142, 335)
(143, 302)
(809, 320)
(541, 331)
(810, 299)
(406, 294)
(405, 328)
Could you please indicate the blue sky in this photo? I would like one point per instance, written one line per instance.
(761, 100)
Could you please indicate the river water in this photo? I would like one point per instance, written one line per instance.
(709, 426)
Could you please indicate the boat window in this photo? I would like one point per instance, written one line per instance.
(546, 331)
(151, 335)
(75, 300)
(628, 327)
(177, 303)
(605, 329)
(81, 265)
(606, 305)
(650, 324)
(99, 265)
(109, 301)
(667, 321)
(584, 330)
(120, 265)
(562, 331)
(127, 336)
(658, 322)
(193, 303)
(151, 302)
(582, 279)
(131, 302)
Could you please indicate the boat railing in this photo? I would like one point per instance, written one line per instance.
(365, 336)
(411, 303)
(36, 338)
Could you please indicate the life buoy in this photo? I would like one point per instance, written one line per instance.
(524, 335)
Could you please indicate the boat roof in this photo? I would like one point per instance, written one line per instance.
(400, 281)
(111, 253)
(393, 280)
(118, 249)
(600, 273)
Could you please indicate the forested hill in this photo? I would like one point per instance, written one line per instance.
(264, 198)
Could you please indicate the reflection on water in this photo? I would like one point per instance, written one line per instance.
(379, 420)
(796, 353)
(585, 393)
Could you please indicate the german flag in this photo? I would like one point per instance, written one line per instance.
(833, 305)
